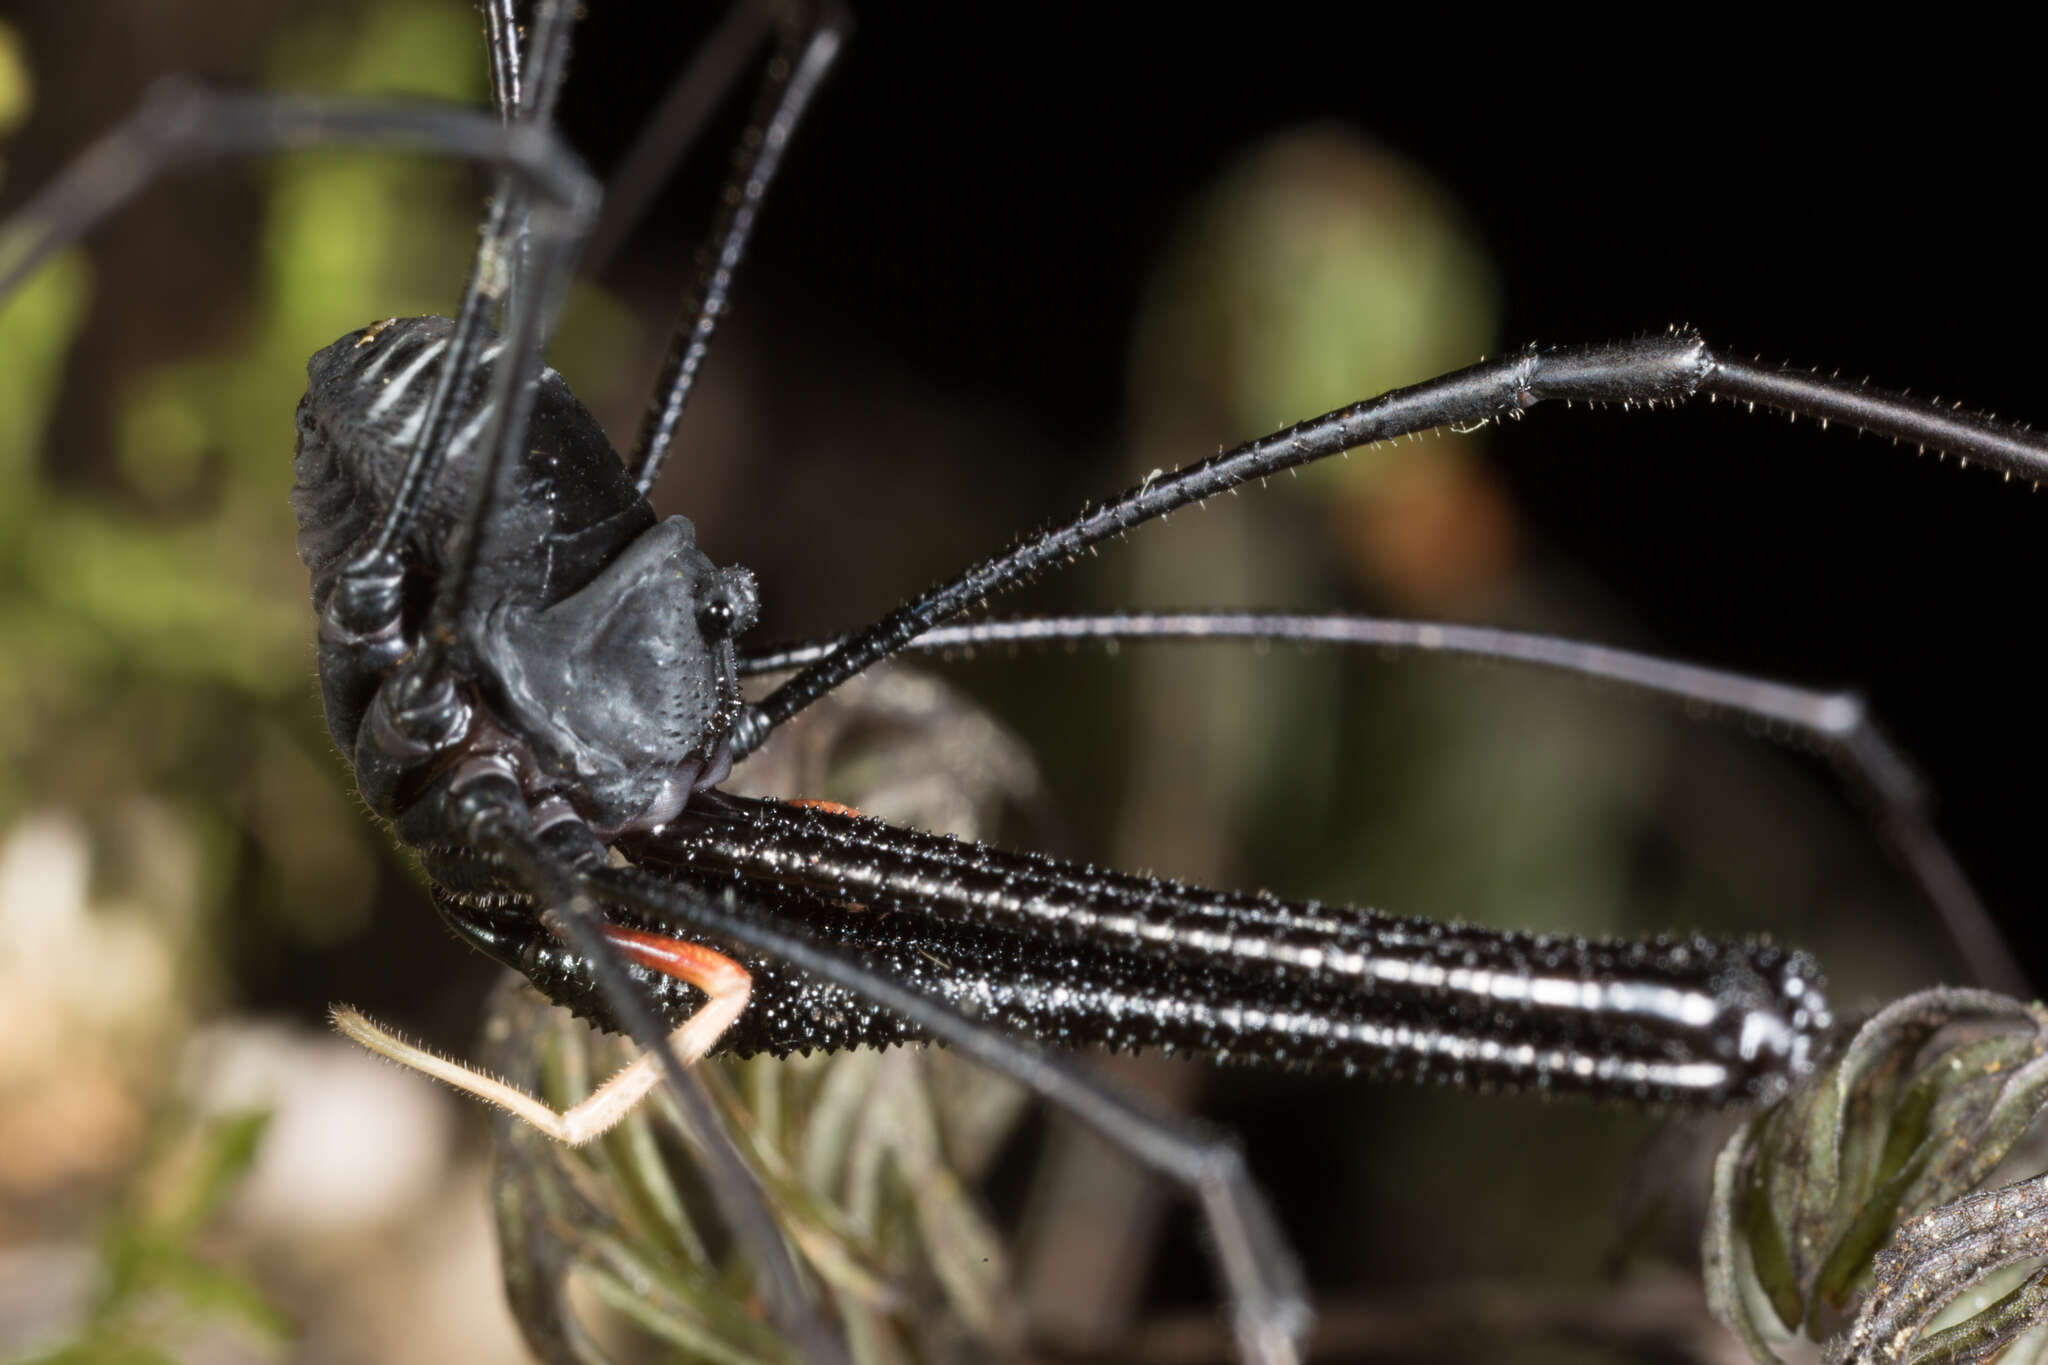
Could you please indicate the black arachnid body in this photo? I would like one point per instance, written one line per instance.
(577, 690)
(597, 680)
(604, 637)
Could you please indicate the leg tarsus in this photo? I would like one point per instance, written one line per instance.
(1270, 1325)
(724, 982)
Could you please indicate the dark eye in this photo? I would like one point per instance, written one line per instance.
(717, 615)
(728, 605)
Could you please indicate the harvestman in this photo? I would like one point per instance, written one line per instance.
(529, 671)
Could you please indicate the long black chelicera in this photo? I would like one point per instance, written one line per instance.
(531, 672)
(1059, 952)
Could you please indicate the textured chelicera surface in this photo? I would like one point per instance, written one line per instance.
(1058, 950)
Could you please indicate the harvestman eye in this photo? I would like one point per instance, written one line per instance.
(728, 607)
(718, 618)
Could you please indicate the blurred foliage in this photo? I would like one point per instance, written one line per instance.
(869, 1160)
(154, 629)
(168, 795)
(159, 1284)
(17, 87)
(1318, 269)
(155, 637)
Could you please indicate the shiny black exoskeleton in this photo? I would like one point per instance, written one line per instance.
(595, 643)
(589, 682)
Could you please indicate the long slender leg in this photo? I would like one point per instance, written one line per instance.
(536, 244)
(501, 39)
(180, 123)
(1271, 1312)
(495, 821)
(1836, 723)
(501, 244)
(724, 982)
(684, 110)
(794, 74)
(527, 250)
(363, 601)
(1665, 369)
